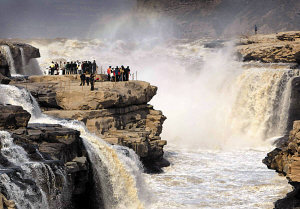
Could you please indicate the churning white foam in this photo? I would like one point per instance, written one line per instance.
(210, 100)
(117, 178)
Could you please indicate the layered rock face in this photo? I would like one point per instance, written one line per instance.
(282, 47)
(117, 112)
(11, 56)
(59, 148)
(286, 161)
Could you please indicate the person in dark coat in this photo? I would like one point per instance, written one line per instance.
(117, 74)
(92, 77)
(82, 78)
(127, 72)
(94, 67)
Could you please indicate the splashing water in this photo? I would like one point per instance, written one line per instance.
(6, 50)
(20, 97)
(23, 61)
(117, 182)
(212, 102)
(25, 185)
(12, 152)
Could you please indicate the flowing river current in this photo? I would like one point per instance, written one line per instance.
(222, 117)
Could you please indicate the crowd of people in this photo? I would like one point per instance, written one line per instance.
(86, 67)
(73, 67)
(118, 74)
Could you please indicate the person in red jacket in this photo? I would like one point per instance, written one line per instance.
(108, 73)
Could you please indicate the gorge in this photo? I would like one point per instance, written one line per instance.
(220, 126)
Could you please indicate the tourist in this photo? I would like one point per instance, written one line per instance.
(68, 68)
(56, 68)
(255, 29)
(121, 73)
(82, 78)
(127, 72)
(52, 67)
(112, 75)
(108, 73)
(94, 65)
(117, 71)
(74, 67)
(92, 81)
(79, 67)
(90, 66)
(63, 68)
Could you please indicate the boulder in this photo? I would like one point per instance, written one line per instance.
(3, 79)
(13, 117)
(285, 160)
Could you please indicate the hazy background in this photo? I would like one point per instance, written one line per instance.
(133, 19)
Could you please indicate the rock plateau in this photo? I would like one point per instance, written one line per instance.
(117, 112)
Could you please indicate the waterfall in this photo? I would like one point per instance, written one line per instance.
(15, 154)
(30, 183)
(23, 61)
(262, 102)
(117, 180)
(5, 49)
(20, 97)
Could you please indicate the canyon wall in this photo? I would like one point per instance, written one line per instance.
(52, 150)
(117, 112)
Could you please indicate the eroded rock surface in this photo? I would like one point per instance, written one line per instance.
(59, 148)
(285, 160)
(15, 57)
(117, 112)
(282, 47)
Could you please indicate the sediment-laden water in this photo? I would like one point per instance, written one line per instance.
(222, 117)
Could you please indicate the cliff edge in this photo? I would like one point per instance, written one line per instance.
(117, 112)
(274, 48)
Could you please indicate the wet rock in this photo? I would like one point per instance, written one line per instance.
(15, 48)
(285, 160)
(13, 117)
(117, 112)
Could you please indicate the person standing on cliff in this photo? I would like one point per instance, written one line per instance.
(94, 67)
(127, 72)
(52, 67)
(82, 78)
(255, 29)
(92, 77)
(117, 74)
(108, 73)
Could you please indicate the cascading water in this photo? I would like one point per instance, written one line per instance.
(117, 173)
(24, 181)
(23, 61)
(6, 50)
(220, 115)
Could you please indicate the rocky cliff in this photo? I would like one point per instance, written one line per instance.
(283, 47)
(13, 57)
(117, 112)
(58, 150)
(285, 160)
